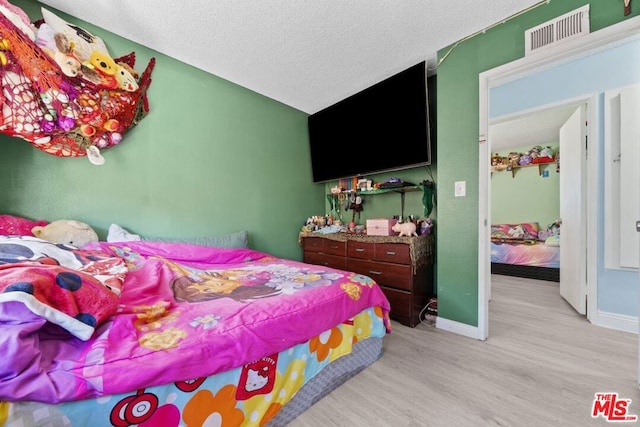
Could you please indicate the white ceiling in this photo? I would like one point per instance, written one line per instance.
(305, 54)
(539, 127)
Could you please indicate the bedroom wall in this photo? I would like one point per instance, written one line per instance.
(527, 196)
(458, 100)
(210, 158)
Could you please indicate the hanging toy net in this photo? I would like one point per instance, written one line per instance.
(60, 99)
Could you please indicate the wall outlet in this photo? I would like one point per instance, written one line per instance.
(461, 188)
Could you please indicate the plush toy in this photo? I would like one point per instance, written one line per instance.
(525, 159)
(546, 155)
(495, 159)
(69, 232)
(59, 48)
(514, 159)
(535, 152)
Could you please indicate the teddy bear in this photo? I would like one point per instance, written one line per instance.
(66, 231)
(514, 159)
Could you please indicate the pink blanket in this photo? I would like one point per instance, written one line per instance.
(184, 312)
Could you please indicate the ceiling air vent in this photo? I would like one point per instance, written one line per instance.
(566, 27)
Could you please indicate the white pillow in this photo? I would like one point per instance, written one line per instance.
(119, 234)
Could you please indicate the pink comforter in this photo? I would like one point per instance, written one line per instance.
(184, 312)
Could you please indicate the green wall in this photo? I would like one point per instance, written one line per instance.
(210, 158)
(458, 100)
(525, 195)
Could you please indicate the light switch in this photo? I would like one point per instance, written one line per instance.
(461, 188)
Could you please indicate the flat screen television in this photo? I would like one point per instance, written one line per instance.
(382, 128)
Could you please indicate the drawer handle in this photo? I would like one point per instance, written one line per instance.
(377, 273)
(359, 249)
(333, 247)
(391, 253)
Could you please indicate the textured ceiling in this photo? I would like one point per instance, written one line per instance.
(306, 54)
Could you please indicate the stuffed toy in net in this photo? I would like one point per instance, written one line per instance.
(61, 90)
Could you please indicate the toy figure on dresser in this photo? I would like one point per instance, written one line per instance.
(405, 229)
(426, 226)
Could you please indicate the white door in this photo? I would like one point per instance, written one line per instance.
(638, 372)
(573, 284)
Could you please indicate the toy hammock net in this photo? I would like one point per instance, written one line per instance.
(60, 114)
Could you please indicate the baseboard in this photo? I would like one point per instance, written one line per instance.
(457, 327)
(619, 322)
(603, 319)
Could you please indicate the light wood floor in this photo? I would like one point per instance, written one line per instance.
(541, 366)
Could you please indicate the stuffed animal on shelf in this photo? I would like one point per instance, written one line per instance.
(546, 156)
(66, 231)
(495, 159)
(535, 152)
(525, 159)
(514, 160)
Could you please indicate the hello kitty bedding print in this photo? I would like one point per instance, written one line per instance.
(182, 312)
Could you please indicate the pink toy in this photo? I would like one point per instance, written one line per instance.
(405, 229)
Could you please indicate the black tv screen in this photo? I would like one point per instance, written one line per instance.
(382, 128)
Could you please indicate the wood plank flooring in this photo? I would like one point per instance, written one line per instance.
(541, 366)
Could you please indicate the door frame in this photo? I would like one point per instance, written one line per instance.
(568, 51)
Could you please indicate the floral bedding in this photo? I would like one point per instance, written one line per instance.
(251, 395)
(181, 312)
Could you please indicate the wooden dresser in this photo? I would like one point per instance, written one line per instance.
(402, 266)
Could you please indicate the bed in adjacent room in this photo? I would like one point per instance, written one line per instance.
(164, 334)
(523, 250)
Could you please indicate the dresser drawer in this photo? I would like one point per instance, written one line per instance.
(360, 250)
(394, 275)
(392, 252)
(325, 260)
(335, 247)
(400, 301)
(327, 246)
(314, 244)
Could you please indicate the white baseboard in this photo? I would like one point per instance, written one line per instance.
(457, 327)
(604, 319)
(620, 322)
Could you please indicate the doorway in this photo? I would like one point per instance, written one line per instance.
(539, 198)
(574, 59)
(588, 69)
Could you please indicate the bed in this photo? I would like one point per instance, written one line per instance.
(523, 250)
(164, 334)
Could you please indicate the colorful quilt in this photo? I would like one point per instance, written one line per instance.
(182, 312)
(536, 254)
(250, 395)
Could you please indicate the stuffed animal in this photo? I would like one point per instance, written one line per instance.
(525, 159)
(514, 159)
(495, 160)
(535, 152)
(546, 155)
(405, 229)
(59, 48)
(66, 231)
